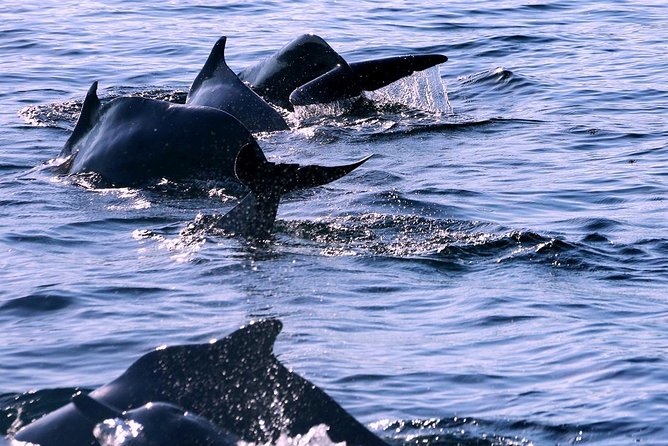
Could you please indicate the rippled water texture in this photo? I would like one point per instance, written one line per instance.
(496, 274)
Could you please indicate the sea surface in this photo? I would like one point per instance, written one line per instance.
(497, 274)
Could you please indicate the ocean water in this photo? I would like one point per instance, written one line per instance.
(496, 275)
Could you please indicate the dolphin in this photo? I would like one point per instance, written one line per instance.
(298, 62)
(236, 382)
(131, 141)
(309, 58)
(153, 424)
(217, 86)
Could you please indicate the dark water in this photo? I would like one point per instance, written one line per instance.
(497, 274)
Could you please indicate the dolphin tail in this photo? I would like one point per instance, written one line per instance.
(255, 214)
(91, 106)
(350, 80)
(265, 178)
(94, 410)
(374, 74)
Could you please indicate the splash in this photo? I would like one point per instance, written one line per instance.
(423, 90)
(316, 436)
(116, 432)
(65, 114)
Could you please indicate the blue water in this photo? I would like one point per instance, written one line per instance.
(496, 274)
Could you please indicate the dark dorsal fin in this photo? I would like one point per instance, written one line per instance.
(93, 409)
(256, 339)
(89, 111)
(215, 61)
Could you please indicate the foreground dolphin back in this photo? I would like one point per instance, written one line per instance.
(154, 424)
(217, 86)
(236, 383)
(131, 141)
(350, 80)
(298, 62)
(255, 214)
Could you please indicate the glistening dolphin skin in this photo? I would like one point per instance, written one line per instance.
(218, 87)
(132, 141)
(298, 62)
(237, 383)
(153, 424)
(309, 57)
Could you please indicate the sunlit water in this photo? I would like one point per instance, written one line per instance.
(496, 274)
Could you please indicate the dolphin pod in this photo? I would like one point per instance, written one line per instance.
(131, 141)
(304, 72)
(236, 383)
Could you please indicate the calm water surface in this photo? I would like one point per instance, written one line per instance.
(497, 274)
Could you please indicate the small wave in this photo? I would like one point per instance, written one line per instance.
(18, 410)
(468, 431)
(37, 303)
(410, 236)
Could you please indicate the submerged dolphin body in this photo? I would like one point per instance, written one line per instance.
(153, 424)
(218, 87)
(310, 59)
(236, 383)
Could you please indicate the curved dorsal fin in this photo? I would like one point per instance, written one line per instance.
(215, 61)
(89, 110)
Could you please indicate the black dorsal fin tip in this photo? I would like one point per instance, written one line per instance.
(219, 47)
(92, 90)
(91, 105)
(255, 338)
(217, 56)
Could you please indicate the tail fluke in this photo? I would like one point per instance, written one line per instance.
(337, 84)
(374, 74)
(266, 178)
(255, 214)
(350, 80)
